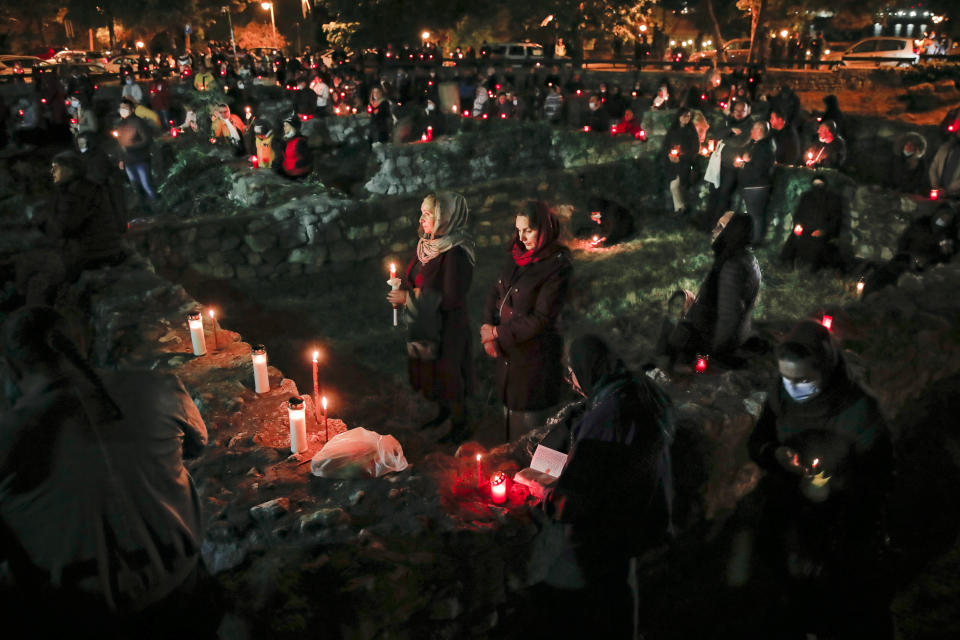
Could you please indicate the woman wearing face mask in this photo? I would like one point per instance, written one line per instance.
(82, 117)
(613, 498)
(434, 290)
(521, 328)
(827, 455)
(718, 322)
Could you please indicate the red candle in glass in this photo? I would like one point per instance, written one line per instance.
(498, 487)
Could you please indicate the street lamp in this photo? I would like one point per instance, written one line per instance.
(273, 21)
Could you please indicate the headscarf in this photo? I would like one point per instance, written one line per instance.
(592, 362)
(450, 220)
(734, 238)
(545, 222)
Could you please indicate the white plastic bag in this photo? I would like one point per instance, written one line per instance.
(712, 174)
(358, 453)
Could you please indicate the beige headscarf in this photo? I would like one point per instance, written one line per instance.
(450, 219)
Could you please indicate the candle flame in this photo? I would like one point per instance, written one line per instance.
(478, 457)
(316, 355)
(211, 312)
(816, 461)
(323, 402)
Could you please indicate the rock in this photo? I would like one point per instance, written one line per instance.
(357, 496)
(270, 510)
(323, 519)
(218, 557)
(260, 241)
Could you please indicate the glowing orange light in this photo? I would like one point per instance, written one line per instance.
(701, 365)
(498, 487)
(934, 194)
(798, 230)
(827, 322)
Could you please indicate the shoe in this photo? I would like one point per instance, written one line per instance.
(442, 415)
(459, 432)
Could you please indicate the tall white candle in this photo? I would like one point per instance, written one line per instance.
(394, 283)
(261, 383)
(195, 322)
(298, 424)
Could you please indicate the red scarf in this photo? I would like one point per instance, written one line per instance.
(523, 258)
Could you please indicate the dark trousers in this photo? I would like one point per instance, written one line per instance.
(719, 201)
(755, 199)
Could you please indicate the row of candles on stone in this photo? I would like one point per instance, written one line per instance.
(261, 382)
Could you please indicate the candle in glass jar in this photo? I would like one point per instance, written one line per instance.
(298, 424)
(498, 487)
(701, 365)
(261, 383)
(195, 322)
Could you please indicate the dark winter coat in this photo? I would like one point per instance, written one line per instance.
(908, 174)
(831, 155)
(721, 315)
(616, 222)
(526, 305)
(83, 219)
(758, 172)
(134, 137)
(787, 145)
(687, 140)
(819, 209)
(928, 243)
(381, 122)
(100, 169)
(125, 529)
(446, 279)
(598, 121)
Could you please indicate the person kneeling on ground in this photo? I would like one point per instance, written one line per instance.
(294, 159)
(101, 519)
(718, 322)
(817, 224)
(613, 498)
(610, 223)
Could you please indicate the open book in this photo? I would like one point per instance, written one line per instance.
(544, 469)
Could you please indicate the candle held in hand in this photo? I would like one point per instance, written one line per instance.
(195, 322)
(298, 424)
(261, 383)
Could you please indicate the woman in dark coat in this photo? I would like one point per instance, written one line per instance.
(755, 163)
(680, 148)
(828, 459)
(522, 319)
(817, 224)
(613, 497)
(719, 321)
(434, 292)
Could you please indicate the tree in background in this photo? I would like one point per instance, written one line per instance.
(257, 34)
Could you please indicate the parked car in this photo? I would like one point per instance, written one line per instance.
(12, 66)
(92, 70)
(736, 50)
(514, 51)
(876, 52)
(69, 55)
(113, 65)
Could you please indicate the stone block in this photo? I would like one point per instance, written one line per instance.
(380, 228)
(260, 242)
(275, 256)
(342, 252)
(301, 255)
(245, 272)
(358, 233)
(270, 510)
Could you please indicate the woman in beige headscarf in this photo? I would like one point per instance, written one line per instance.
(433, 292)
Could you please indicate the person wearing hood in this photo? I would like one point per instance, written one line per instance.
(817, 225)
(434, 291)
(82, 117)
(830, 149)
(293, 159)
(132, 90)
(680, 148)
(102, 520)
(755, 164)
(827, 454)
(719, 320)
(102, 170)
(613, 498)
(381, 117)
(908, 171)
(227, 126)
(263, 143)
(521, 329)
(832, 112)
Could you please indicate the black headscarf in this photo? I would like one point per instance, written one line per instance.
(734, 239)
(593, 363)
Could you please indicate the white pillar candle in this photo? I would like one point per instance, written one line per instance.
(298, 424)
(394, 283)
(195, 322)
(261, 383)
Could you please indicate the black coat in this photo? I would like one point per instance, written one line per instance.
(759, 171)
(687, 140)
(909, 174)
(820, 209)
(83, 219)
(450, 377)
(525, 305)
(788, 145)
(721, 316)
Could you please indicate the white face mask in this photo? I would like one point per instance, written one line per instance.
(800, 391)
(124, 113)
(129, 80)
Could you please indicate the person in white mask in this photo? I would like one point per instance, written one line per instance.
(827, 454)
(132, 90)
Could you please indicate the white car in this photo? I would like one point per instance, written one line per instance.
(113, 65)
(515, 51)
(876, 52)
(10, 69)
(69, 56)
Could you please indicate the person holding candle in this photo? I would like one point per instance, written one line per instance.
(718, 323)
(679, 151)
(614, 496)
(521, 329)
(816, 228)
(101, 518)
(827, 454)
(830, 149)
(755, 164)
(434, 292)
(944, 170)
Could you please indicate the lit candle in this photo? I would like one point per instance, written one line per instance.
(174, 132)
(213, 141)
(195, 322)
(498, 487)
(934, 194)
(213, 322)
(860, 287)
(595, 241)
(701, 365)
(675, 152)
(326, 433)
(255, 161)
(586, 128)
(479, 471)
(827, 322)
(316, 386)
(711, 145)
(798, 230)
(298, 424)
(261, 383)
(394, 283)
